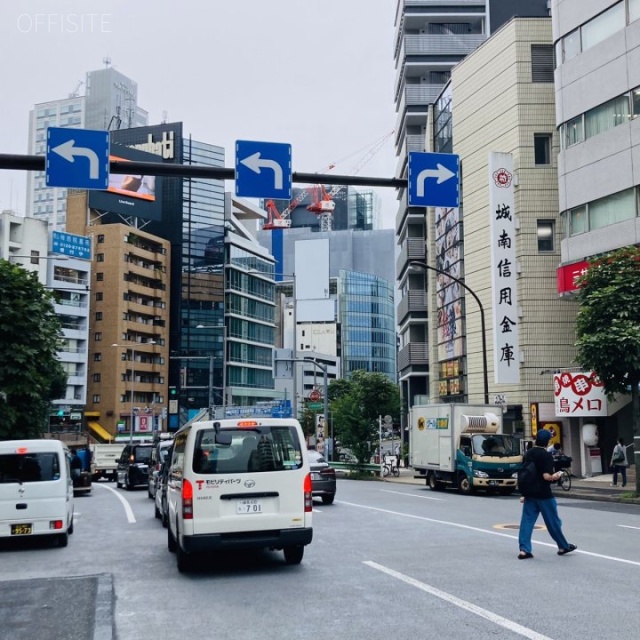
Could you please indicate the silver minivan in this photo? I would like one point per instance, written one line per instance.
(36, 490)
(239, 484)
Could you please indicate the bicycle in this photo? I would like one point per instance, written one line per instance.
(390, 466)
(563, 464)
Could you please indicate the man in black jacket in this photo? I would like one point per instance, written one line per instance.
(541, 501)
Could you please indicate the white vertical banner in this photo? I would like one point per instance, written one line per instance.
(506, 349)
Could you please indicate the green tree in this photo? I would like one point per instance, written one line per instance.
(30, 336)
(608, 327)
(356, 405)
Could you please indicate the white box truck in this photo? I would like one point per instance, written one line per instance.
(462, 446)
(104, 459)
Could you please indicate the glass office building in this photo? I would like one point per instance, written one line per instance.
(367, 320)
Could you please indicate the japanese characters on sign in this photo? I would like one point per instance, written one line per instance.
(506, 351)
(579, 394)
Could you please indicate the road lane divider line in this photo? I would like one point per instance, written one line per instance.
(127, 507)
(462, 604)
(493, 533)
(628, 526)
(412, 495)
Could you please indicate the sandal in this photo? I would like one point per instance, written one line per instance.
(525, 555)
(569, 549)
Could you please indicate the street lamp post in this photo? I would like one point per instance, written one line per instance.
(483, 330)
(133, 376)
(294, 319)
(325, 393)
(224, 368)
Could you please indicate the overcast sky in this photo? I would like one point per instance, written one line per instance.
(317, 74)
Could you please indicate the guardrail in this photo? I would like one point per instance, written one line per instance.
(354, 466)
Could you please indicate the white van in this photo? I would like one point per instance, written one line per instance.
(239, 484)
(36, 490)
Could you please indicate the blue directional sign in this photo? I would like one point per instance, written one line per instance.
(77, 158)
(263, 170)
(434, 179)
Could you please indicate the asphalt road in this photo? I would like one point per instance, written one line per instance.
(387, 559)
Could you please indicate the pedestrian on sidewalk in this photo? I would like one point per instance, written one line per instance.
(541, 500)
(619, 463)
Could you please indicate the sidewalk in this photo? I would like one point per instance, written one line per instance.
(594, 488)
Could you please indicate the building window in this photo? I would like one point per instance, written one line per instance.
(541, 63)
(96, 377)
(606, 116)
(98, 315)
(542, 148)
(545, 235)
(99, 257)
(96, 398)
(634, 10)
(574, 132)
(635, 100)
(578, 221)
(612, 209)
(99, 276)
(98, 296)
(603, 26)
(97, 357)
(97, 336)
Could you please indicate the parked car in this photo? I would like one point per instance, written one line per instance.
(158, 455)
(133, 466)
(161, 504)
(323, 477)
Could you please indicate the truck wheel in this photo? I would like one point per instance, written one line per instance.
(433, 484)
(293, 554)
(171, 541)
(464, 484)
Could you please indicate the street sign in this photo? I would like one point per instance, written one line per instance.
(77, 158)
(434, 179)
(314, 395)
(263, 170)
(315, 406)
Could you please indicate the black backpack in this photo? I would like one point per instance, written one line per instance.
(528, 479)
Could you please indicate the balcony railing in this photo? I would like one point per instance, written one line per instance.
(414, 354)
(412, 249)
(412, 302)
(449, 44)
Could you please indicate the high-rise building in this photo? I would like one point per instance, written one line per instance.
(431, 37)
(597, 84)
(110, 103)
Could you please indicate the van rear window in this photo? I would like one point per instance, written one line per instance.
(30, 467)
(269, 448)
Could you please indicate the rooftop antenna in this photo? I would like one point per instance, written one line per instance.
(107, 61)
(75, 93)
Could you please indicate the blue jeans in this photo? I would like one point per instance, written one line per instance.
(622, 470)
(531, 509)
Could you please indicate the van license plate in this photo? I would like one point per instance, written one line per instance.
(20, 529)
(249, 506)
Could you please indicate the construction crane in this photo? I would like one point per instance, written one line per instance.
(323, 203)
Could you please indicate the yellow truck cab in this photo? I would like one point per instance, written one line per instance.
(239, 484)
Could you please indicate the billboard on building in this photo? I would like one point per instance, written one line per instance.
(130, 194)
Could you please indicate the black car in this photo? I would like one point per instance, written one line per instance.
(162, 506)
(323, 477)
(133, 466)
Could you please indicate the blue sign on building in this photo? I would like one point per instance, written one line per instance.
(77, 158)
(263, 170)
(69, 244)
(434, 179)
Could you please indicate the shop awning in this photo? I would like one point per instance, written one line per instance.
(99, 431)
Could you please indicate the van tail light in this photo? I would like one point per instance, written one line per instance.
(187, 500)
(56, 524)
(308, 495)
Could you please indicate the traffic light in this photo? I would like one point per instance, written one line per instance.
(173, 393)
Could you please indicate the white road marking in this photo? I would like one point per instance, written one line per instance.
(127, 507)
(626, 526)
(463, 604)
(413, 495)
(493, 533)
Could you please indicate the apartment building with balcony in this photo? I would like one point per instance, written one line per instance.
(129, 324)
